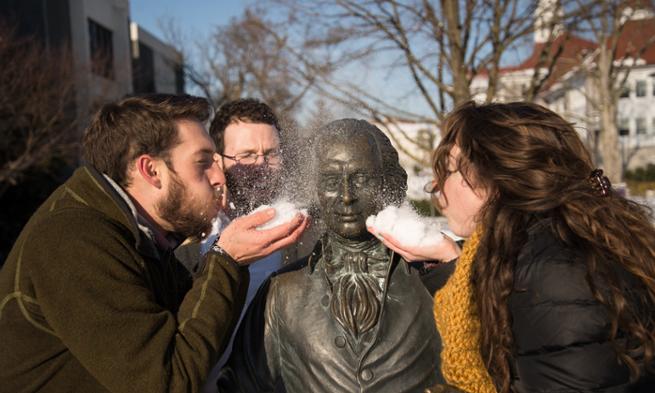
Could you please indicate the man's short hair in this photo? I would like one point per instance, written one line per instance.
(247, 110)
(146, 124)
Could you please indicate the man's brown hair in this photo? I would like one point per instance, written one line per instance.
(121, 131)
(247, 110)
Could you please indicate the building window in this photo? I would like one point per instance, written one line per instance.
(640, 89)
(143, 70)
(640, 124)
(102, 50)
(625, 91)
(179, 79)
(624, 126)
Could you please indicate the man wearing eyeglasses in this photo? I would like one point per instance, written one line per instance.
(246, 132)
(247, 137)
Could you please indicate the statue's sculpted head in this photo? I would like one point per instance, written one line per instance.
(358, 173)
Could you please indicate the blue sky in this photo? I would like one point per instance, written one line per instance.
(192, 16)
(195, 19)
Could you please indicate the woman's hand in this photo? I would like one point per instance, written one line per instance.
(443, 251)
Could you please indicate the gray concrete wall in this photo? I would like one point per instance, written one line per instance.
(92, 89)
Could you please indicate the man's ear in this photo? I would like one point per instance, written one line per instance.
(150, 169)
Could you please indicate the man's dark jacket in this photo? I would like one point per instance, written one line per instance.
(561, 332)
(89, 304)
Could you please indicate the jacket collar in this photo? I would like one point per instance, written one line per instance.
(95, 190)
(165, 240)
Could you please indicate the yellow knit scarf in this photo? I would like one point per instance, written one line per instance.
(459, 326)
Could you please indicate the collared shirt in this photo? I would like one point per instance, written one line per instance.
(259, 272)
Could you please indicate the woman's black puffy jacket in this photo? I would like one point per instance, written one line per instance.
(560, 330)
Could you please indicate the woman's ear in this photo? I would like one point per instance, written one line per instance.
(486, 194)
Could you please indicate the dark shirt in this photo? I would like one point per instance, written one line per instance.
(435, 277)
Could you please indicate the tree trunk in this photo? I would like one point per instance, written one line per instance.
(457, 60)
(609, 137)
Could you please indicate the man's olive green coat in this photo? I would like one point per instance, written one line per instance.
(88, 303)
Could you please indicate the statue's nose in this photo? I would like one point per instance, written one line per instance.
(347, 195)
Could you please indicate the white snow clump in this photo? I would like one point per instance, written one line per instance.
(285, 211)
(406, 226)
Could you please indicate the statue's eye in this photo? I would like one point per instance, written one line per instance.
(360, 179)
(330, 182)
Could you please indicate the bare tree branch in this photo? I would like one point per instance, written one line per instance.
(37, 111)
(247, 57)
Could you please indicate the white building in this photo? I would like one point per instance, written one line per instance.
(569, 89)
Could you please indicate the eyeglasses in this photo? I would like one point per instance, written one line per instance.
(273, 157)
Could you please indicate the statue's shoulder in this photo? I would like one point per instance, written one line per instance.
(291, 273)
(294, 281)
(298, 271)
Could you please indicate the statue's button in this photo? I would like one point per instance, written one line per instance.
(325, 301)
(367, 375)
(340, 341)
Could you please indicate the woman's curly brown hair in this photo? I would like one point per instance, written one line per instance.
(534, 165)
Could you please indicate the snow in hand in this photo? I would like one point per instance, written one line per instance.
(406, 226)
(285, 211)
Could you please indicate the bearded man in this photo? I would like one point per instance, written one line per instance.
(92, 297)
(352, 317)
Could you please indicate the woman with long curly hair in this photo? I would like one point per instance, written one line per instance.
(554, 290)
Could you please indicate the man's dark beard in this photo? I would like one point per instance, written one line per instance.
(356, 295)
(176, 210)
(251, 186)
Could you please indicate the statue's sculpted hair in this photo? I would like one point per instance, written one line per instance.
(395, 177)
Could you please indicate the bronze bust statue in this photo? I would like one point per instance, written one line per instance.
(351, 317)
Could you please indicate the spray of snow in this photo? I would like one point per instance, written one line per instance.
(219, 223)
(285, 211)
(406, 226)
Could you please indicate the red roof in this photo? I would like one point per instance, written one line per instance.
(635, 36)
(573, 51)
